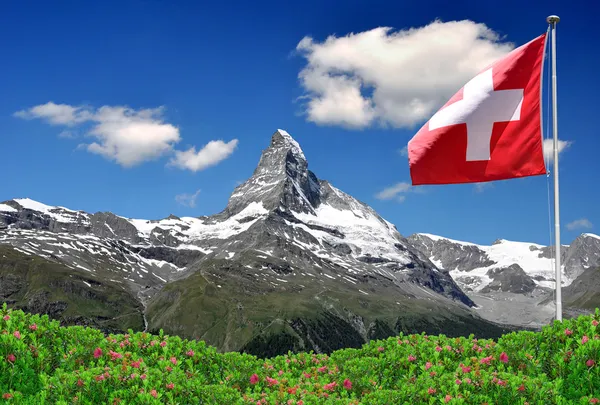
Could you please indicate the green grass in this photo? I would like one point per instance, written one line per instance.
(35, 284)
(42, 362)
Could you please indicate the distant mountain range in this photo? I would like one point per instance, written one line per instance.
(292, 263)
(513, 282)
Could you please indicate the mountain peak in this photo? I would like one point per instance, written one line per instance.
(281, 180)
(282, 139)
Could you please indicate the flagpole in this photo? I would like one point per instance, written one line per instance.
(553, 20)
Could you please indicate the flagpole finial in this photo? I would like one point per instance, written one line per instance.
(553, 19)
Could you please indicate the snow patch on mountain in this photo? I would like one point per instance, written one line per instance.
(196, 228)
(365, 233)
(503, 253)
(59, 214)
(7, 208)
(437, 238)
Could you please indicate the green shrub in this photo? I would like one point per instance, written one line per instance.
(44, 363)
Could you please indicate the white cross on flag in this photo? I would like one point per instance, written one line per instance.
(489, 130)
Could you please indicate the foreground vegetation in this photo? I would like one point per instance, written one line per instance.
(43, 363)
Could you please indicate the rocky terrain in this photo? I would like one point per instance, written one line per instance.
(513, 282)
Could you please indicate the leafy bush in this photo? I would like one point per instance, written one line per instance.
(44, 363)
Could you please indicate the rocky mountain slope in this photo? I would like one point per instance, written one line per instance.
(513, 282)
(292, 263)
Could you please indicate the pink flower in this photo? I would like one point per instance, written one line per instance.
(468, 380)
(97, 352)
(438, 349)
(330, 387)
(115, 355)
(17, 334)
(594, 400)
(190, 353)
(590, 363)
(428, 365)
(6, 318)
(143, 377)
(411, 358)
(136, 364)
(458, 382)
(300, 402)
(347, 384)
(465, 369)
(11, 357)
(568, 332)
(7, 395)
(447, 398)
(33, 327)
(380, 349)
(163, 343)
(595, 322)
(431, 391)
(503, 357)
(170, 386)
(153, 393)
(272, 381)
(322, 369)
(521, 387)
(307, 375)
(584, 339)
(174, 361)
(486, 360)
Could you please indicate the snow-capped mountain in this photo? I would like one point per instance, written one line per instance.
(291, 258)
(520, 272)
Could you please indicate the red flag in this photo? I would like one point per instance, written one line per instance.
(489, 130)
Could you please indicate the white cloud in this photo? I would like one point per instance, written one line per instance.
(130, 137)
(582, 223)
(393, 78)
(549, 148)
(481, 187)
(122, 134)
(67, 135)
(404, 151)
(395, 192)
(57, 114)
(189, 200)
(211, 154)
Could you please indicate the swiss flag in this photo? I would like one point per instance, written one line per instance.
(489, 130)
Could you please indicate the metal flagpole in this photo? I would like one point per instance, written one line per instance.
(553, 20)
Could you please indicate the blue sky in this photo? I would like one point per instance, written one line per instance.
(174, 76)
